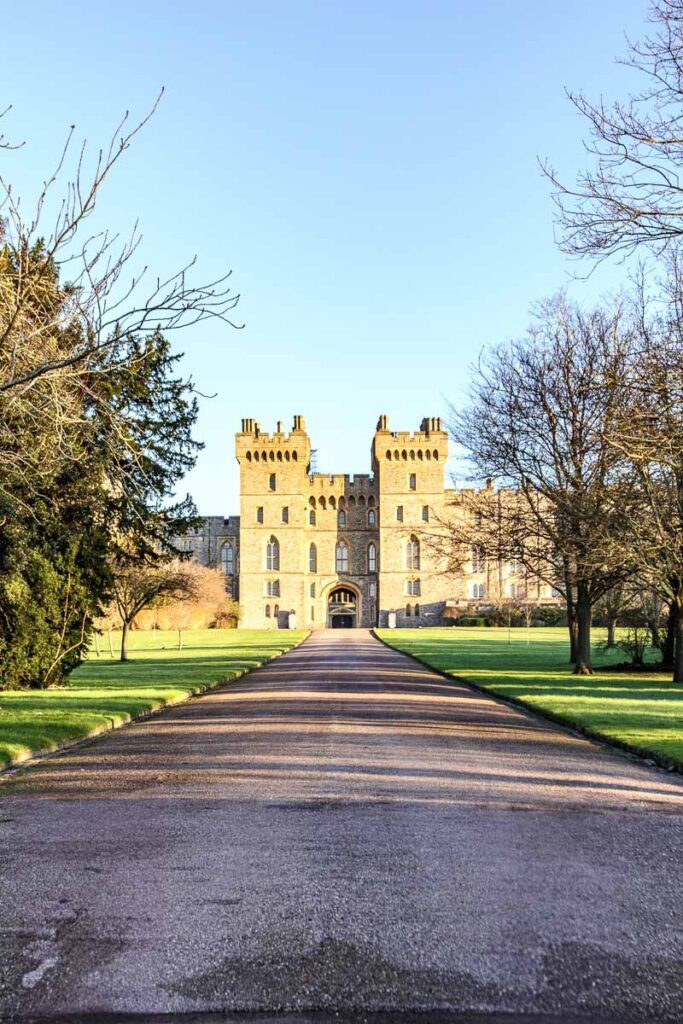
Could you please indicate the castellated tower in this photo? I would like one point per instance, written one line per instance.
(273, 481)
(410, 473)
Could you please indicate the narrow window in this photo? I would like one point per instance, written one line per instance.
(271, 482)
(285, 514)
(228, 559)
(372, 558)
(272, 555)
(407, 611)
(267, 611)
(312, 559)
(341, 518)
(399, 513)
(413, 553)
(312, 614)
(342, 556)
(478, 558)
(371, 517)
(417, 609)
(412, 482)
(311, 517)
(259, 514)
(312, 590)
(425, 513)
(276, 611)
(373, 590)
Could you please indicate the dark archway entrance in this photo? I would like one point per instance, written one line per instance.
(342, 608)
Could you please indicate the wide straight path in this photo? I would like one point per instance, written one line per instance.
(344, 830)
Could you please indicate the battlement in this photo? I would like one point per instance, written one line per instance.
(252, 428)
(254, 446)
(430, 443)
(357, 483)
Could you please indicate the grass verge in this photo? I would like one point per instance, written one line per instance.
(642, 712)
(104, 693)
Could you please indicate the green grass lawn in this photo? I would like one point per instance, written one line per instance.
(104, 692)
(643, 711)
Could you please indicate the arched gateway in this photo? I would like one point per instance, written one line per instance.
(342, 607)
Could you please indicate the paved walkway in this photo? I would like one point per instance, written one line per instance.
(343, 830)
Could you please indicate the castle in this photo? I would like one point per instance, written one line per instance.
(312, 549)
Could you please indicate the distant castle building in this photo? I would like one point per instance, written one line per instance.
(339, 550)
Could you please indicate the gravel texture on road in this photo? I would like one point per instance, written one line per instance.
(344, 833)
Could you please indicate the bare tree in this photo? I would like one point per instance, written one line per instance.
(69, 300)
(138, 585)
(648, 435)
(632, 195)
(539, 414)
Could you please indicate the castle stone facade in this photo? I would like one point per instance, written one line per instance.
(312, 549)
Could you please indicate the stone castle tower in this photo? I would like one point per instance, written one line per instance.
(338, 550)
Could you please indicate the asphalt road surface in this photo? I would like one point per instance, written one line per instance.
(343, 832)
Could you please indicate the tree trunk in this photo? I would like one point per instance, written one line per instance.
(582, 665)
(671, 625)
(573, 631)
(612, 631)
(124, 641)
(678, 646)
(97, 643)
(111, 646)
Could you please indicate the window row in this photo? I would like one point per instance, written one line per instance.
(425, 513)
(415, 610)
(411, 454)
(272, 456)
(341, 518)
(342, 556)
(333, 502)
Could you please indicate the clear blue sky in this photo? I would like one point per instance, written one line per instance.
(367, 170)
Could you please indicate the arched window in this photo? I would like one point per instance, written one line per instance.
(341, 518)
(372, 558)
(272, 555)
(407, 611)
(413, 553)
(332, 501)
(371, 517)
(322, 503)
(312, 558)
(311, 517)
(342, 556)
(271, 480)
(267, 611)
(228, 559)
(276, 611)
(417, 610)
